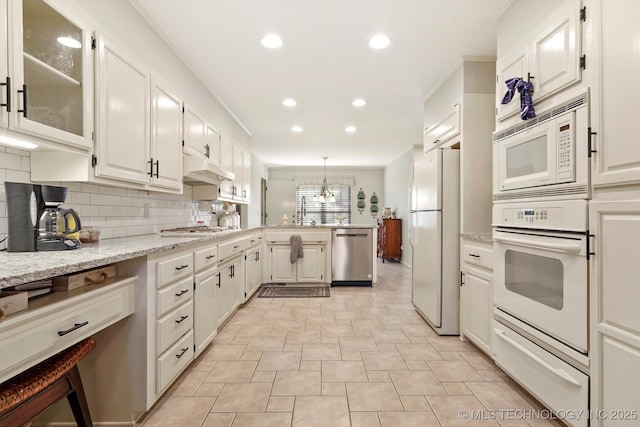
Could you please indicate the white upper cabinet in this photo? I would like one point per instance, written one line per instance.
(442, 131)
(47, 90)
(165, 169)
(226, 163)
(549, 57)
(246, 176)
(213, 141)
(238, 159)
(616, 138)
(122, 99)
(194, 133)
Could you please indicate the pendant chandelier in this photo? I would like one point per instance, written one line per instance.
(325, 195)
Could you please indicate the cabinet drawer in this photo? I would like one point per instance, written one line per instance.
(32, 336)
(174, 269)
(174, 325)
(231, 248)
(478, 254)
(442, 131)
(254, 240)
(174, 295)
(173, 361)
(205, 258)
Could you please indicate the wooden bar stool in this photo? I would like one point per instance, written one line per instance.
(34, 390)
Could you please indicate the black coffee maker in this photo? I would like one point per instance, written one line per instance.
(36, 221)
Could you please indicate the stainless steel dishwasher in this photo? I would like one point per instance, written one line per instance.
(351, 256)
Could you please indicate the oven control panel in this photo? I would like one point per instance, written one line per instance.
(565, 151)
(568, 215)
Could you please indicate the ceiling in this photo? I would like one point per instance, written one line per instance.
(324, 64)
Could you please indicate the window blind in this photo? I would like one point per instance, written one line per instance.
(323, 213)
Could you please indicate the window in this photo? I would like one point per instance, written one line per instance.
(324, 213)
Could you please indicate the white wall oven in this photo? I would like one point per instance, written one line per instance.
(541, 298)
(545, 157)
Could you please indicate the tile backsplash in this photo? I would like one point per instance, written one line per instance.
(119, 212)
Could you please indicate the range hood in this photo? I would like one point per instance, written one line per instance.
(201, 169)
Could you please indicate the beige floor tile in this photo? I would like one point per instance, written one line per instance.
(262, 420)
(232, 371)
(358, 344)
(456, 388)
(422, 330)
(187, 384)
(243, 397)
(349, 315)
(265, 344)
(334, 389)
(418, 352)
(292, 347)
(379, 376)
(321, 411)
(450, 355)
(410, 383)
(321, 352)
(500, 396)
(334, 371)
(450, 344)
(330, 340)
(457, 411)
(387, 347)
(454, 370)
(305, 337)
(493, 375)
(478, 360)
(219, 420)
(409, 419)
(365, 419)
(251, 355)
(417, 365)
(337, 331)
(351, 355)
(279, 361)
(373, 397)
(311, 365)
(383, 361)
(297, 383)
(224, 337)
(280, 404)
(201, 364)
(263, 377)
(224, 352)
(415, 403)
(419, 340)
(241, 340)
(209, 389)
(390, 337)
(184, 411)
(258, 330)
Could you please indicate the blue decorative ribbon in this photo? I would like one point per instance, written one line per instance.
(526, 102)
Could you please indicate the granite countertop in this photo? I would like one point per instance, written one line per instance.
(23, 267)
(482, 237)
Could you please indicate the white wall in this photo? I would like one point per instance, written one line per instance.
(281, 193)
(396, 188)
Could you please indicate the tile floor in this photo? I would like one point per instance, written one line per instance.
(361, 358)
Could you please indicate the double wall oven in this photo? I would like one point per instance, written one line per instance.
(541, 245)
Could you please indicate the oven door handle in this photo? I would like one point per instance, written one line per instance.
(561, 373)
(571, 247)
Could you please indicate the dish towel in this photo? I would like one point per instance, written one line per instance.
(296, 248)
(526, 102)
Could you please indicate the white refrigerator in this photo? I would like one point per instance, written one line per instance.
(435, 238)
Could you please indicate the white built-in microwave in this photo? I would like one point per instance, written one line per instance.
(545, 157)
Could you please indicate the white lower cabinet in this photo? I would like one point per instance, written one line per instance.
(253, 275)
(615, 319)
(310, 268)
(476, 294)
(231, 281)
(205, 310)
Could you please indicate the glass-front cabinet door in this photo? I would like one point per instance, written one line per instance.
(51, 85)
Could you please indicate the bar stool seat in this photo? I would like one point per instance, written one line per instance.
(32, 391)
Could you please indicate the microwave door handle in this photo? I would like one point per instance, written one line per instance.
(569, 247)
(556, 371)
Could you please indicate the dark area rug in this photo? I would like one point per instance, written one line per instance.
(294, 291)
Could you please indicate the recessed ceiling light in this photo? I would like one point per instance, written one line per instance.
(271, 41)
(350, 129)
(289, 102)
(297, 129)
(69, 42)
(359, 102)
(379, 41)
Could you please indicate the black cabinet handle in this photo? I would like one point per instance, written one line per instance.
(590, 135)
(157, 168)
(150, 173)
(73, 328)
(236, 246)
(218, 279)
(184, 350)
(462, 278)
(474, 255)
(184, 291)
(182, 267)
(210, 256)
(207, 151)
(8, 85)
(182, 319)
(436, 141)
(24, 101)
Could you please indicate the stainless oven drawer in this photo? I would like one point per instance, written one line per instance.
(558, 385)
